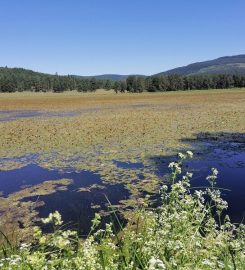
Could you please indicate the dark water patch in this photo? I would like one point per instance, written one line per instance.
(227, 154)
(14, 115)
(32, 174)
(141, 176)
(221, 137)
(142, 105)
(231, 166)
(78, 208)
(129, 165)
(160, 164)
(77, 204)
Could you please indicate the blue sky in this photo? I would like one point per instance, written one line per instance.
(89, 37)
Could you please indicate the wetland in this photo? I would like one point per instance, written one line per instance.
(72, 151)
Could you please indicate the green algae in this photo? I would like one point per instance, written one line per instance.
(14, 211)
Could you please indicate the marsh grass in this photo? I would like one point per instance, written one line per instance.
(185, 232)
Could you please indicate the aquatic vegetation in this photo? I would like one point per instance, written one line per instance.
(18, 215)
(184, 232)
(125, 127)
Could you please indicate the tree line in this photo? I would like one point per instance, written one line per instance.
(177, 82)
(17, 79)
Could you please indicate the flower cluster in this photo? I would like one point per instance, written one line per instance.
(54, 218)
(212, 178)
(156, 264)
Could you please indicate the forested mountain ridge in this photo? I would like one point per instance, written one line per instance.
(223, 65)
(224, 72)
(113, 77)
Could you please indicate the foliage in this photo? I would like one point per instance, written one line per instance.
(185, 232)
(197, 82)
(17, 79)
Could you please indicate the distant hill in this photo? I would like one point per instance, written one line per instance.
(22, 71)
(223, 65)
(113, 77)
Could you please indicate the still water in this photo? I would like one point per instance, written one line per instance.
(78, 207)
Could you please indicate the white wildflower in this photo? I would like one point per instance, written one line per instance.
(164, 188)
(181, 155)
(189, 154)
(171, 165)
(61, 242)
(96, 220)
(156, 264)
(24, 245)
(207, 262)
(53, 218)
(189, 175)
(215, 171)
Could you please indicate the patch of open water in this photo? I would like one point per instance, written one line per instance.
(76, 207)
(11, 115)
(228, 158)
(32, 174)
(14, 115)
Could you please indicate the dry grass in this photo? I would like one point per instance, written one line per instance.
(75, 100)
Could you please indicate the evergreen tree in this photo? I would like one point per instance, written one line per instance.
(123, 86)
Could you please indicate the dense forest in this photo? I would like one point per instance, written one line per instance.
(177, 82)
(17, 79)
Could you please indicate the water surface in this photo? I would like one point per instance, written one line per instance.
(77, 205)
(226, 156)
(22, 114)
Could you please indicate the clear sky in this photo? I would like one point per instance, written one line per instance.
(89, 37)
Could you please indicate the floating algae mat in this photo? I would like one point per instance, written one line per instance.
(129, 165)
(76, 195)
